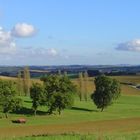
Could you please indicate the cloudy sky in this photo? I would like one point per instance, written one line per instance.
(57, 32)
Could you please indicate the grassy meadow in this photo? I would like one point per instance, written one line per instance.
(134, 136)
(120, 121)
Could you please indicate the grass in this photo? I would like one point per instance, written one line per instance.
(125, 107)
(84, 117)
(133, 136)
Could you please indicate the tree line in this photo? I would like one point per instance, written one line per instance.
(56, 91)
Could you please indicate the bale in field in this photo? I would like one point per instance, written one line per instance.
(21, 120)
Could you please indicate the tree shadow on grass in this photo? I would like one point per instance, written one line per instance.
(29, 112)
(28, 101)
(83, 109)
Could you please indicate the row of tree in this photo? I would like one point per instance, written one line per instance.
(24, 82)
(56, 92)
(83, 86)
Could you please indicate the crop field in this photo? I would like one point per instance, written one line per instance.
(126, 89)
(120, 121)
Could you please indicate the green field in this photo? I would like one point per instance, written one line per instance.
(120, 121)
(134, 136)
(122, 116)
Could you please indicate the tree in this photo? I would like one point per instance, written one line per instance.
(80, 85)
(65, 73)
(26, 81)
(59, 72)
(59, 92)
(107, 90)
(20, 83)
(37, 96)
(61, 101)
(8, 100)
(85, 85)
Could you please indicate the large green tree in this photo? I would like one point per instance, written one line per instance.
(107, 90)
(8, 97)
(59, 91)
(37, 96)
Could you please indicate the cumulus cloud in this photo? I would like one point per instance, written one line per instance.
(23, 30)
(133, 45)
(13, 53)
(7, 44)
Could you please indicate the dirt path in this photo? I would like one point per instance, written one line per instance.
(119, 125)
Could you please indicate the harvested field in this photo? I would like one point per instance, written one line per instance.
(94, 127)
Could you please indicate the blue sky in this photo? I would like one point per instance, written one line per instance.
(57, 32)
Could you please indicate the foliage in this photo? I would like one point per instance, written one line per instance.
(37, 96)
(8, 100)
(80, 85)
(26, 81)
(61, 101)
(58, 90)
(86, 85)
(107, 90)
(20, 83)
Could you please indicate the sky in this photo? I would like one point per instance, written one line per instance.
(66, 32)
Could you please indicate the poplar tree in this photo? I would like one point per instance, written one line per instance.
(59, 72)
(85, 85)
(65, 73)
(20, 83)
(80, 85)
(26, 81)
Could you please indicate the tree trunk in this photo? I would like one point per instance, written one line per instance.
(59, 111)
(102, 109)
(50, 111)
(35, 112)
(80, 96)
(6, 115)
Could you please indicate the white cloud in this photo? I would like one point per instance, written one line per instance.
(52, 52)
(36, 52)
(23, 30)
(7, 44)
(133, 45)
(11, 53)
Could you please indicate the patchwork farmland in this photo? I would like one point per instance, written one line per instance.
(83, 119)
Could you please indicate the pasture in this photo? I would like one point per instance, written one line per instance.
(120, 120)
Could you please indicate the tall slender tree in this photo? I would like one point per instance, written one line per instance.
(20, 83)
(26, 81)
(80, 85)
(85, 85)
(59, 72)
(65, 73)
